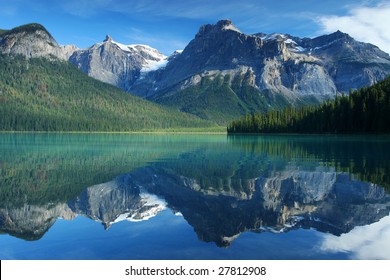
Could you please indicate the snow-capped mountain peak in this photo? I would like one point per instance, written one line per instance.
(118, 64)
(152, 58)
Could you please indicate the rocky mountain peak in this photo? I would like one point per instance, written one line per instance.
(339, 35)
(33, 40)
(118, 64)
(108, 38)
(227, 24)
(32, 28)
(324, 40)
(29, 33)
(222, 25)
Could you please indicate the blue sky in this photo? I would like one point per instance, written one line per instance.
(170, 24)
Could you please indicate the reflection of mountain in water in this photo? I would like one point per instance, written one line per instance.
(282, 201)
(31, 222)
(326, 201)
(116, 201)
(107, 203)
(256, 184)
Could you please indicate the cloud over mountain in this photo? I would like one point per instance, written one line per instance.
(367, 24)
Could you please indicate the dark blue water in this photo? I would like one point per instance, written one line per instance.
(115, 196)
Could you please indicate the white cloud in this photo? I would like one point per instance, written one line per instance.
(364, 242)
(366, 24)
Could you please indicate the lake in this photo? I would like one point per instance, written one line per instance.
(156, 196)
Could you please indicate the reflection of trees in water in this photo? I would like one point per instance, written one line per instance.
(243, 158)
(49, 168)
(221, 188)
(215, 169)
(366, 157)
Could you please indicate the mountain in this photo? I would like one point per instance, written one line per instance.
(41, 91)
(224, 73)
(350, 64)
(33, 40)
(278, 63)
(118, 64)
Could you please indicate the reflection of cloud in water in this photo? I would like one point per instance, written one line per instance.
(364, 242)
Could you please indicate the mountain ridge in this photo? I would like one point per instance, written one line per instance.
(222, 73)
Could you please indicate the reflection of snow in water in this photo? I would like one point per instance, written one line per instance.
(364, 242)
(152, 205)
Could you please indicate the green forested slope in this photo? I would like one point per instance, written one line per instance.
(221, 100)
(49, 95)
(363, 111)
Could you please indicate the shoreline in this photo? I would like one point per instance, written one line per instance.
(221, 132)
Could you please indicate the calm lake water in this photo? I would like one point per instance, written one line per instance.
(151, 196)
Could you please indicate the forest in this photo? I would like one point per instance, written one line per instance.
(362, 111)
(41, 94)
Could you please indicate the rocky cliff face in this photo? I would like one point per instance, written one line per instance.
(33, 40)
(278, 63)
(118, 64)
(350, 64)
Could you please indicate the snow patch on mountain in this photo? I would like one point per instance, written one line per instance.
(122, 46)
(153, 65)
(153, 59)
(273, 36)
(290, 41)
(231, 27)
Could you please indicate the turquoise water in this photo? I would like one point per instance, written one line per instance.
(154, 196)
